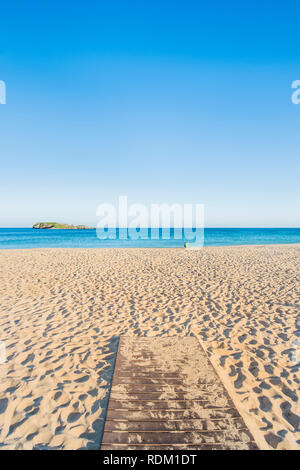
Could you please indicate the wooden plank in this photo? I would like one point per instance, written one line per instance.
(152, 395)
(137, 405)
(169, 437)
(174, 447)
(173, 425)
(146, 415)
(165, 394)
(130, 380)
(134, 388)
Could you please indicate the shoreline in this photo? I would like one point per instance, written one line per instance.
(262, 245)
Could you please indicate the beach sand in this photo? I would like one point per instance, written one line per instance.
(61, 311)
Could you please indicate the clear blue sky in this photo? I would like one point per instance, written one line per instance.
(163, 101)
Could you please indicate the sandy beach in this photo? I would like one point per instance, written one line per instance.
(62, 309)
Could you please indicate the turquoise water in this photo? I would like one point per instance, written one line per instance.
(31, 238)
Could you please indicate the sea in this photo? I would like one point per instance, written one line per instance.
(20, 238)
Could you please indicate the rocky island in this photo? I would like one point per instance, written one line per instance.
(55, 225)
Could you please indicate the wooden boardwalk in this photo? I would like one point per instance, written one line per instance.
(165, 394)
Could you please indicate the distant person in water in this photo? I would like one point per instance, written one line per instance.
(185, 245)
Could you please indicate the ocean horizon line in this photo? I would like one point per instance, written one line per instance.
(231, 227)
(19, 237)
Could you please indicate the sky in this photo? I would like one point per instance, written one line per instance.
(161, 101)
